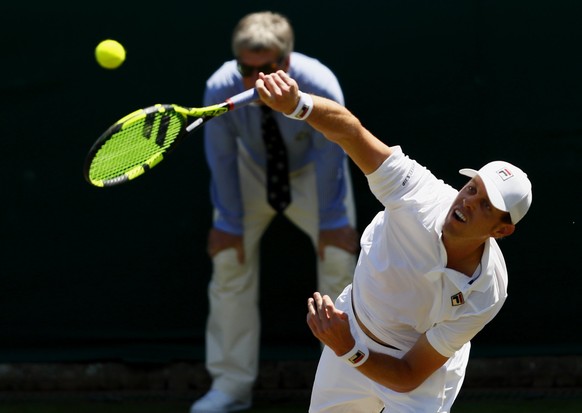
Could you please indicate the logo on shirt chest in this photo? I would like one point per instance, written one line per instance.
(457, 299)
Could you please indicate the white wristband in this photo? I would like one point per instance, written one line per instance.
(304, 107)
(357, 355)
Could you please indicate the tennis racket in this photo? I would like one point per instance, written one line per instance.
(139, 141)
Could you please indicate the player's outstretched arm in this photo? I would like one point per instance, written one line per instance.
(338, 124)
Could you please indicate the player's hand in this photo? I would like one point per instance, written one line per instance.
(278, 91)
(220, 240)
(345, 238)
(328, 324)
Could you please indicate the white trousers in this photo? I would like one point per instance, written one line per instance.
(340, 388)
(233, 327)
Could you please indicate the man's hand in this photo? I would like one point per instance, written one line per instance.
(219, 241)
(278, 91)
(329, 325)
(345, 238)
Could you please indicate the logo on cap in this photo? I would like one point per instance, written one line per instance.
(504, 174)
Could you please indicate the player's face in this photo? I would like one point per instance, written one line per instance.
(472, 215)
(252, 62)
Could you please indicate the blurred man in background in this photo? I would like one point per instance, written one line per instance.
(314, 194)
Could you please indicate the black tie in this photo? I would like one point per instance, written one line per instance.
(278, 190)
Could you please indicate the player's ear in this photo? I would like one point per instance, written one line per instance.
(503, 230)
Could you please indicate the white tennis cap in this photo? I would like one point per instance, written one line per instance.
(508, 187)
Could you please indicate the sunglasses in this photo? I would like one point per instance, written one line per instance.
(248, 70)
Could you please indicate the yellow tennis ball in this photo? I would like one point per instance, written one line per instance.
(110, 54)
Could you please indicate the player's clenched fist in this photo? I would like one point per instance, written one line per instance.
(330, 325)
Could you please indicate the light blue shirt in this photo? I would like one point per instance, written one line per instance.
(304, 144)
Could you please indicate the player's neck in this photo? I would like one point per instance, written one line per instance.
(464, 258)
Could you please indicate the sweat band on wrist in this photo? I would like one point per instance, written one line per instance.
(357, 355)
(303, 109)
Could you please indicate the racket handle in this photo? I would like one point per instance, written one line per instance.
(242, 99)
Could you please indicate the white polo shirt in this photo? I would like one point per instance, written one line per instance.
(401, 285)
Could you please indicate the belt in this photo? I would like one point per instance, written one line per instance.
(367, 332)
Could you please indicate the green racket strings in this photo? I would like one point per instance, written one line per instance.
(134, 146)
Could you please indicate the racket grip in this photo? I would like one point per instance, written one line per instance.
(243, 98)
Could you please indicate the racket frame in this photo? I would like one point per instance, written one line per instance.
(201, 115)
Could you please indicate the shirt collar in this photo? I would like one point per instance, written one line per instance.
(464, 283)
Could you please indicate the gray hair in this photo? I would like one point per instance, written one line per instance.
(263, 31)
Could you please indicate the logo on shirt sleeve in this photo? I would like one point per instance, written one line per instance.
(408, 175)
(457, 299)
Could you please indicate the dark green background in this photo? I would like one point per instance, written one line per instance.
(121, 273)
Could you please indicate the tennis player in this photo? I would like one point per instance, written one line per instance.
(430, 274)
